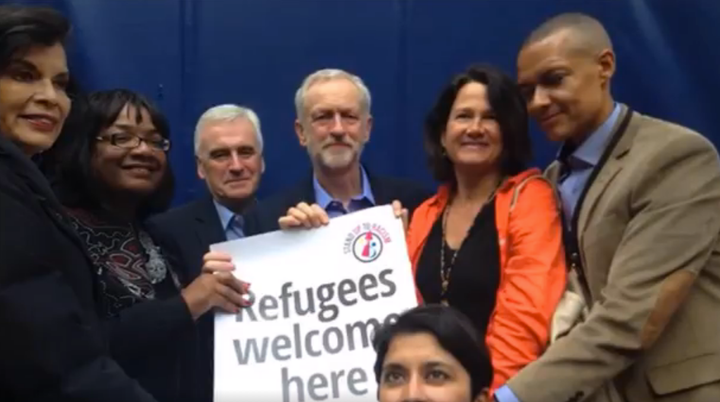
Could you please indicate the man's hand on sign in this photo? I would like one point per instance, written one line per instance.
(313, 216)
(216, 261)
(401, 213)
(216, 287)
(304, 215)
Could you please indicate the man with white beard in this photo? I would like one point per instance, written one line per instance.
(333, 124)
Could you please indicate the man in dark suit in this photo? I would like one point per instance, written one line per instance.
(228, 152)
(334, 123)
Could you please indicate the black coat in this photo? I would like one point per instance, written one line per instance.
(158, 343)
(52, 345)
(186, 232)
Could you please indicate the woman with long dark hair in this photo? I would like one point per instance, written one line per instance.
(489, 243)
(52, 346)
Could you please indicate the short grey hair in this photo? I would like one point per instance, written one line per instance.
(227, 113)
(329, 74)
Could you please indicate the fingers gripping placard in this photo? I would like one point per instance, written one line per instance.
(307, 336)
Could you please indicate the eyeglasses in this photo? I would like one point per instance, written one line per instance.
(129, 141)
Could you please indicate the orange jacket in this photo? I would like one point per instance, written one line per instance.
(532, 267)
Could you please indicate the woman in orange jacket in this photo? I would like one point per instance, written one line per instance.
(489, 243)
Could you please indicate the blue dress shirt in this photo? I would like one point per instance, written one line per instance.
(504, 394)
(335, 207)
(231, 223)
(580, 163)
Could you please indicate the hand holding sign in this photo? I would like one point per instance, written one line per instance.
(207, 291)
(313, 216)
(304, 215)
(401, 213)
(216, 261)
(320, 295)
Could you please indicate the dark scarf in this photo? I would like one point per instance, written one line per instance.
(129, 265)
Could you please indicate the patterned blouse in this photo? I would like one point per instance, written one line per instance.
(131, 268)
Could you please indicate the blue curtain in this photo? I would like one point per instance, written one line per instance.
(188, 55)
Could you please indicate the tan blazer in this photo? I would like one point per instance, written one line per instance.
(648, 234)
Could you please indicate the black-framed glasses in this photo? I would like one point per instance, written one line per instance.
(130, 141)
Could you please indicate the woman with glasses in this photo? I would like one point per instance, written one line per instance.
(111, 177)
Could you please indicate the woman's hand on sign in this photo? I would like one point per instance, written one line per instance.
(215, 287)
(304, 215)
(220, 289)
(401, 213)
(216, 261)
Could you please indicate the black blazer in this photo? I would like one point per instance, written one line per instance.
(264, 216)
(52, 346)
(158, 343)
(186, 233)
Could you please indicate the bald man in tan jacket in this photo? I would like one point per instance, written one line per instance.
(641, 200)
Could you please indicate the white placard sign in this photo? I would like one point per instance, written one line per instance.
(319, 296)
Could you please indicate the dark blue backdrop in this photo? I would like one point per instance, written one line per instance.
(191, 54)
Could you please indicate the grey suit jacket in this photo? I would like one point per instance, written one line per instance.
(648, 230)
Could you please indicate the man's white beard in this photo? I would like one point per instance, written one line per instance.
(337, 160)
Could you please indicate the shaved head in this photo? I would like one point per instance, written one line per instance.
(584, 33)
(564, 71)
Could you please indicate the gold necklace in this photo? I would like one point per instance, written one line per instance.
(445, 274)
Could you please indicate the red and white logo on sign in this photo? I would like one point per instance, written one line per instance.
(366, 242)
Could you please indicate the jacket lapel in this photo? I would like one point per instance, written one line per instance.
(305, 192)
(610, 165)
(209, 228)
(378, 188)
(552, 172)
